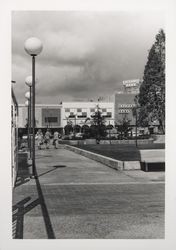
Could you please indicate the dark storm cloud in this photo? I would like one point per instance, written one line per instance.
(84, 53)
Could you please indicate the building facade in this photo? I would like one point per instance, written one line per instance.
(124, 101)
(14, 138)
(131, 86)
(47, 116)
(58, 116)
(80, 113)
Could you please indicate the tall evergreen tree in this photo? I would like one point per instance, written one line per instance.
(152, 91)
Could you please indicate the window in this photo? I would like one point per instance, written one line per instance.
(51, 119)
(122, 111)
(71, 115)
(109, 114)
(79, 110)
(84, 115)
(92, 110)
(67, 110)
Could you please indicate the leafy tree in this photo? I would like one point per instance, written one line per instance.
(124, 127)
(109, 126)
(102, 130)
(85, 130)
(68, 129)
(93, 131)
(99, 121)
(76, 128)
(152, 90)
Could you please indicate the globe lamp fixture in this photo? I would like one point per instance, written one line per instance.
(33, 46)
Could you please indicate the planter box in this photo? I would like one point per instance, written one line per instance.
(73, 142)
(90, 141)
(93, 141)
(139, 141)
(158, 138)
(110, 162)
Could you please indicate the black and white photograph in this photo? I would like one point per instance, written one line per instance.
(88, 124)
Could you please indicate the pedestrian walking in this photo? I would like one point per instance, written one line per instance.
(39, 138)
(47, 138)
(55, 139)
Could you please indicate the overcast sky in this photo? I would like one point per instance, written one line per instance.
(85, 54)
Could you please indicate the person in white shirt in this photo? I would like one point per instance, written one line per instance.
(47, 138)
(39, 138)
(55, 139)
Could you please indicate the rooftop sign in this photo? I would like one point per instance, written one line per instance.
(134, 81)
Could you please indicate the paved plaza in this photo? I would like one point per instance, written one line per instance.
(78, 198)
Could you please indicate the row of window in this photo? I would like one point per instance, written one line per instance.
(130, 85)
(72, 115)
(122, 111)
(126, 105)
(67, 110)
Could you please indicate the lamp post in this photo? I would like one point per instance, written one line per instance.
(27, 96)
(75, 124)
(27, 105)
(136, 129)
(28, 82)
(33, 46)
(136, 125)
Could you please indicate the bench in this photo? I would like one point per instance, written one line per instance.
(152, 160)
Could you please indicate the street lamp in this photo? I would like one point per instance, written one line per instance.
(136, 125)
(27, 105)
(75, 124)
(27, 95)
(28, 82)
(33, 46)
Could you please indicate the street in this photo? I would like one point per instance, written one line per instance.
(78, 198)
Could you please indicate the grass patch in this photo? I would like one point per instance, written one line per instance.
(119, 151)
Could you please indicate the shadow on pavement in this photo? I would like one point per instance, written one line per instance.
(22, 207)
(19, 210)
(46, 217)
(54, 168)
(23, 174)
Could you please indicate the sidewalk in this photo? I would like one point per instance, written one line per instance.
(75, 197)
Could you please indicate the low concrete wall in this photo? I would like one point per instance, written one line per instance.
(132, 165)
(153, 155)
(72, 142)
(93, 142)
(116, 164)
(158, 138)
(90, 141)
(139, 141)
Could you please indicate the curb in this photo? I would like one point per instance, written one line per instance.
(115, 164)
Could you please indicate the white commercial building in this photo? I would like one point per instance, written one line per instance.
(58, 115)
(46, 115)
(80, 113)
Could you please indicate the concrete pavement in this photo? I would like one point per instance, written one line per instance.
(76, 197)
